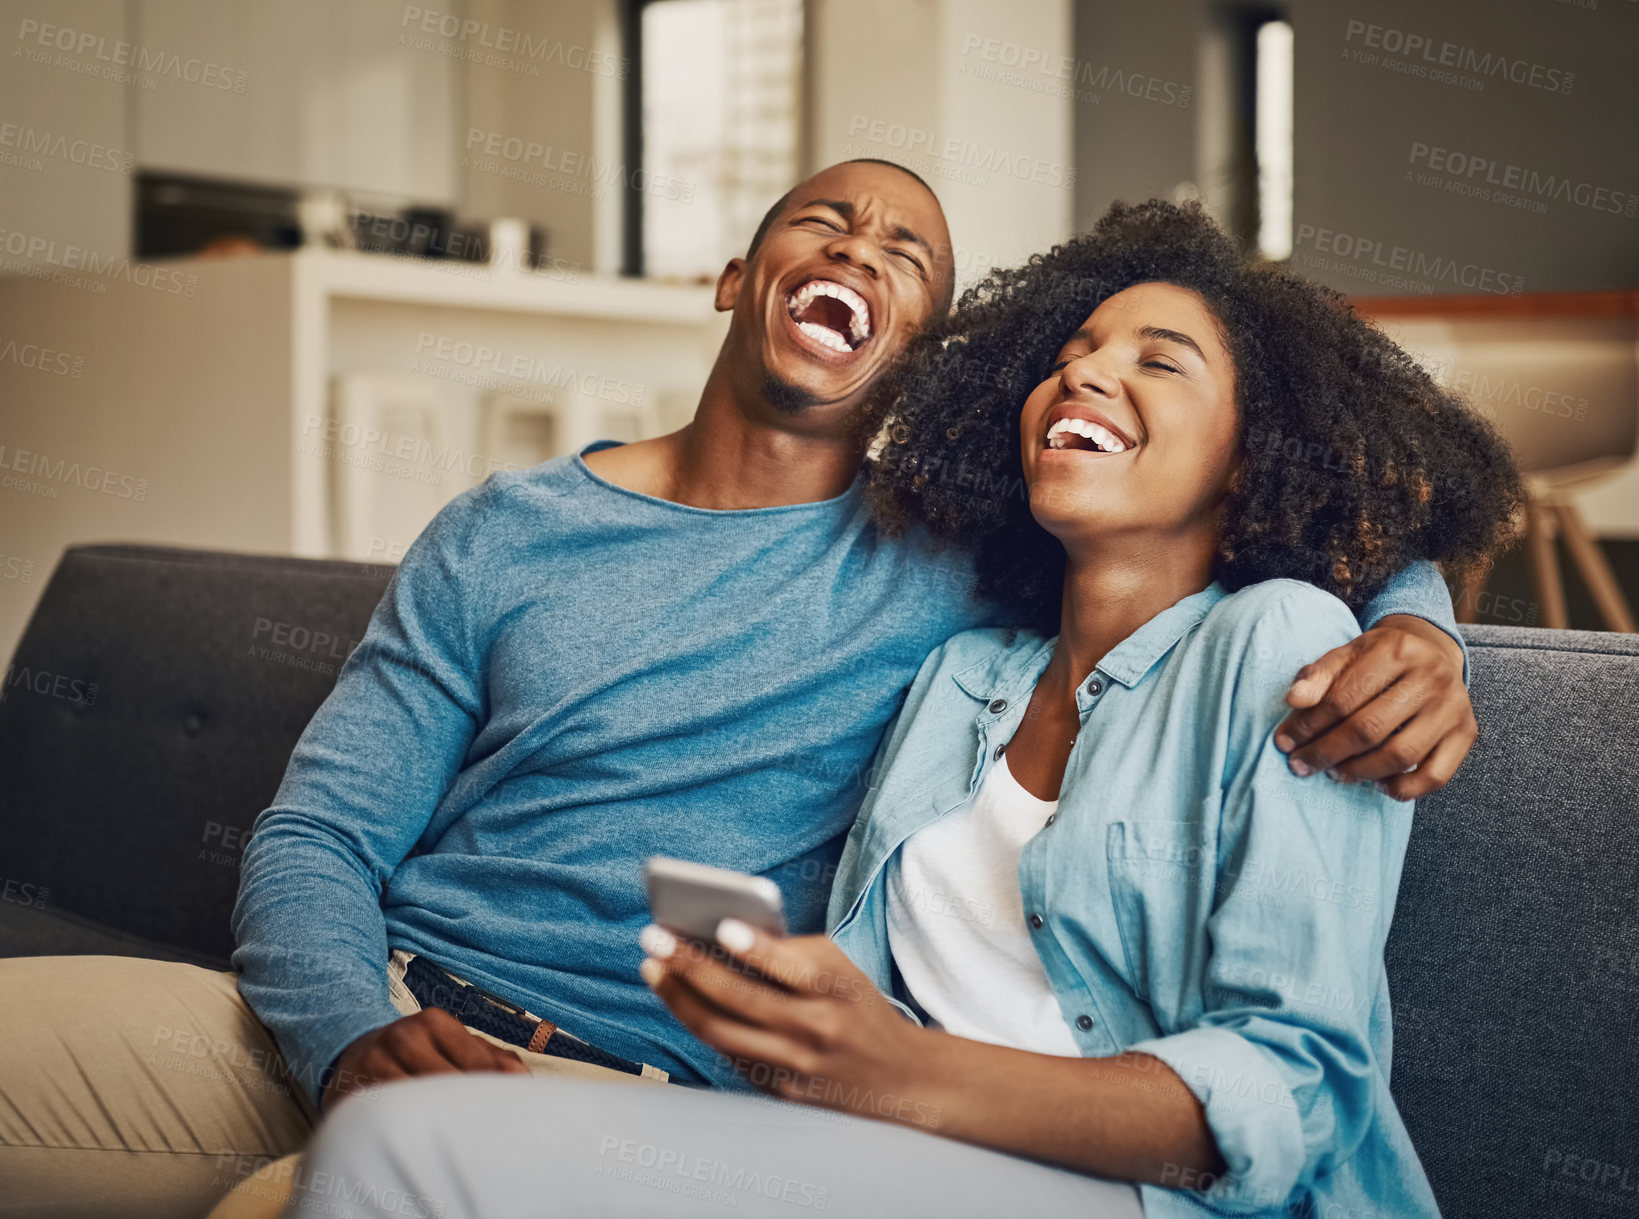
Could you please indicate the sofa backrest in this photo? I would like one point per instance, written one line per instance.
(1513, 961)
(147, 718)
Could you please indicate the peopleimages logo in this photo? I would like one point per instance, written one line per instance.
(1485, 173)
(1040, 70)
(1431, 54)
(27, 140)
(954, 151)
(52, 685)
(511, 156)
(529, 49)
(109, 266)
(1395, 265)
(41, 359)
(691, 1175)
(119, 55)
(63, 472)
(518, 366)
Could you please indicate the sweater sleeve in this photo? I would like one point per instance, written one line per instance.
(1416, 589)
(362, 785)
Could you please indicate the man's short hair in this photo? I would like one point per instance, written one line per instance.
(779, 206)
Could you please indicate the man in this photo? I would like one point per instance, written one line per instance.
(687, 646)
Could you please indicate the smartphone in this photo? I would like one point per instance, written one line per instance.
(692, 898)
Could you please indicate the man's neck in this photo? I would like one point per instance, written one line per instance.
(734, 455)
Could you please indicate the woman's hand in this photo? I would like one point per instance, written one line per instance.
(795, 1016)
(813, 1029)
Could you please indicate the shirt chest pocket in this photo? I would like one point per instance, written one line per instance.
(1161, 876)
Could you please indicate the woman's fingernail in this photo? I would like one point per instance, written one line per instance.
(1284, 742)
(1334, 774)
(1301, 768)
(657, 941)
(735, 936)
(652, 971)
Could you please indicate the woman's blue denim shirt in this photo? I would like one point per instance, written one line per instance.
(1192, 899)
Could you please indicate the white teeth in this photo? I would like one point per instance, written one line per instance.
(824, 334)
(1105, 439)
(859, 325)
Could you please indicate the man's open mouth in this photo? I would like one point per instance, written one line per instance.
(1084, 434)
(831, 315)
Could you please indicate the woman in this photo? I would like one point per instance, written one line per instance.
(1131, 942)
(1089, 846)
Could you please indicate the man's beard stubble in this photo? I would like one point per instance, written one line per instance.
(785, 397)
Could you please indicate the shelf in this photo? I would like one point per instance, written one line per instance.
(418, 281)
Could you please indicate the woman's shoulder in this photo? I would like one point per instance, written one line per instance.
(1249, 649)
(1277, 618)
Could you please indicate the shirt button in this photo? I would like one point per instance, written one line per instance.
(1095, 687)
(1084, 1023)
(1035, 922)
(999, 749)
(997, 706)
(1052, 817)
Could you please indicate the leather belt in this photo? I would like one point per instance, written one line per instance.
(435, 987)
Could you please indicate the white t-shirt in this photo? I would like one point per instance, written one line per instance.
(956, 922)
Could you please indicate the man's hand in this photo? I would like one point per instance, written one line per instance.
(1387, 703)
(431, 1042)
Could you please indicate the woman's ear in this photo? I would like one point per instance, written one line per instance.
(1220, 514)
(1230, 482)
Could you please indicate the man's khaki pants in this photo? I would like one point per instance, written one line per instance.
(138, 1088)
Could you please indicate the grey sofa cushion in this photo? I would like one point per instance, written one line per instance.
(1514, 957)
(148, 716)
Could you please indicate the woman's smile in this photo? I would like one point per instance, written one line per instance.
(1073, 428)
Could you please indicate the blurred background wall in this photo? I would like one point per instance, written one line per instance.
(286, 277)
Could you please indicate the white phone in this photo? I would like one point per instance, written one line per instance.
(692, 898)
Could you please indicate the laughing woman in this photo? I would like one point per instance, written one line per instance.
(1091, 926)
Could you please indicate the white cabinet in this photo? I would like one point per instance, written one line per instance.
(321, 403)
(330, 97)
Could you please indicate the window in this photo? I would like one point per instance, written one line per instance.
(719, 100)
(1244, 125)
(1272, 128)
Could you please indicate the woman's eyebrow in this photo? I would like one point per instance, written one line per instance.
(1171, 336)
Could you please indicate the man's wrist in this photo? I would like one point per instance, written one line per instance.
(1416, 625)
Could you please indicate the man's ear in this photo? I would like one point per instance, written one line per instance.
(728, 284)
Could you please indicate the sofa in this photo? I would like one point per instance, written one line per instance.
(156, 694)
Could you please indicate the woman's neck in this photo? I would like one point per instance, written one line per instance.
(1109, 594)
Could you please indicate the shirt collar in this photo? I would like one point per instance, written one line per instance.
(1136, 655)
(1017, 668)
